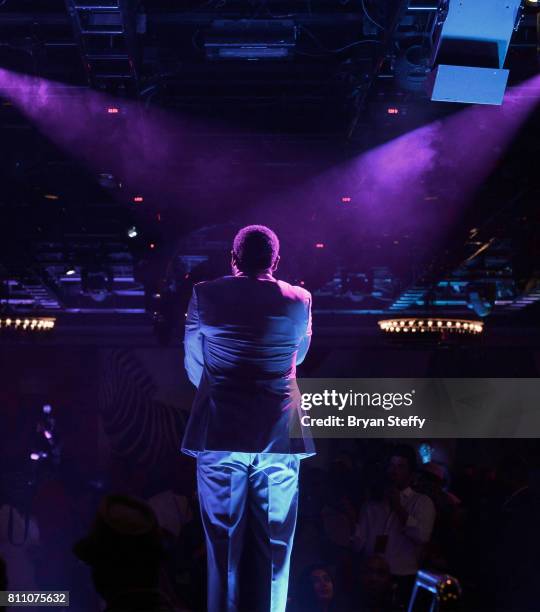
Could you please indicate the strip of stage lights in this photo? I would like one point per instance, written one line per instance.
(431, 325)
(35, 324)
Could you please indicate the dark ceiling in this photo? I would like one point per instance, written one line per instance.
(340, 91)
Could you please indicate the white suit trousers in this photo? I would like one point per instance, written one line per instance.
(231, 485)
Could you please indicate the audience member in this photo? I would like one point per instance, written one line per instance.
(397, 522)
(516, 538)
(19, 538)
(375, 591)
(125, 554)
(316, 591)
(447, 541)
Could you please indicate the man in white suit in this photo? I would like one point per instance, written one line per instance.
(245, 334)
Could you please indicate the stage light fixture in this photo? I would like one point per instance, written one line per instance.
(70, 271)
(471, 49)
(440, 325)
(138, 199)
(250, 39)
(132, 232)
(319, 245)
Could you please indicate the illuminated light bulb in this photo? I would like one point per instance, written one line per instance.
(430, 323)
(439, 323)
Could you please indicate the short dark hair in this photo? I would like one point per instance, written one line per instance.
(256, 248)
(406, 452)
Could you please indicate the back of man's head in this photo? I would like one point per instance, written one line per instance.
(255, 248)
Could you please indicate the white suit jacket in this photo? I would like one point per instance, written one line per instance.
(244, 337)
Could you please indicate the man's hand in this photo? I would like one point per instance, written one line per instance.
(394, 500)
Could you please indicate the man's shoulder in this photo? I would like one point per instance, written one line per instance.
(421, 498)
(294, 291)
(208, 285)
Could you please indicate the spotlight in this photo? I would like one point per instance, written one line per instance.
(132, 232)
(113, 110)
(469, 62)
(51, 196)
(138, 199)
(346, 199)
(392, 110)
(319, 245)
(70, 271)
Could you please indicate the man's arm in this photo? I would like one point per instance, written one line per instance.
(418, 523)
(193, 342)
(306, 339)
